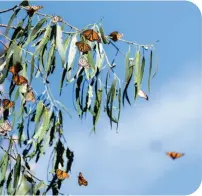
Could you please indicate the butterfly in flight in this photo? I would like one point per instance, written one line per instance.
(5, 127)
(61, 175)
(82, 46)
(91, 35)
(82, 180)
(174, 155)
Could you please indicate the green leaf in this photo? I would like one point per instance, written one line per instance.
(150, 71)
(119, 102)
(137, 73)
(78, 104)
(97, 107)
(39, 111)
(17, 169)
(90, 96)
(11, 21)
(60, 117)
(3, 168)
(51, 55)
(155, 69)
(9, 187)
(104, 39)
(142, 69)
(40, 185)
(71, 55)
(35, 31)
(62, 79)
(32, 67)
(59, 43)
(20, 132)
(128, 76)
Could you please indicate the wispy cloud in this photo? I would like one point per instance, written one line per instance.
(132, 160)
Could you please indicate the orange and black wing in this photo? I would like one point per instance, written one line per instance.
(15, 69)
(91, 35)
(115, 35)
(29, 96)
(174, 155)
(7, 103)
(83, 47)
(19, 80)
(61, 175)
(82, 180)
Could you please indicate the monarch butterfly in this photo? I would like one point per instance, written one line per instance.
(32, 9)
(61, 175)
(29, 95)
(83, 47)
(83, 62)
(174, 155)
(91, 35)
(19, 80)
(115, 35)
(56, 19)
(142, 94)
(7, 103)
(15, 69)
(5, 127)
(82, 180)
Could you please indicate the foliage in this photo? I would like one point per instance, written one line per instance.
(36, 45)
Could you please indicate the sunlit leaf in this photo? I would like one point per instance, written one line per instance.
(150, 71)
(137, 73)
(17, 169)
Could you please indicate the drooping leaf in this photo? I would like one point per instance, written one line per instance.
(17, 169)
(9, 183)
(150, 71)
(78, 87)
(62, 79)
(142, 69)
(3, 168)
(39, 111)
(137, 73)
(103, 35)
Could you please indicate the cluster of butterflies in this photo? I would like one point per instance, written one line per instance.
(61, 175)
(93, 36)
(6, 104)
(21, 80)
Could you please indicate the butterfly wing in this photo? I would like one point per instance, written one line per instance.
(29, 96)
(174, 155)
(7, 103)
(83, 47)
(15, 69)
(61, 175)
(84, 63)
(5, 127)
(82, 180)
(19, 80)
(142, 94)
(91, 35)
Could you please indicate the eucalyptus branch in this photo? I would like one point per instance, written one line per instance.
(3, 25)
(22, 165)
(136, 44)
(7, 10)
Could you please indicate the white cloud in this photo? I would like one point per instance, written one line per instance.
(134, 159)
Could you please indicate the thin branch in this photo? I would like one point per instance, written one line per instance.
(7, 10)
(5, 46)
(3, 25)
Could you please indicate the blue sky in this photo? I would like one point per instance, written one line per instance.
(133, 161)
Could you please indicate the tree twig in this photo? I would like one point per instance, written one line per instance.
(7, 10)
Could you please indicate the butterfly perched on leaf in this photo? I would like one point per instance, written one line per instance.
(56, 19)
(6, 103)
(29, 95)
(82, 46)
(5, 127)
(91, 35)
(15, 69)
(82, 180)
(83, 62)
(61, 175)
(115, 35)
(19, 80)
(174, 155)
(32, 9)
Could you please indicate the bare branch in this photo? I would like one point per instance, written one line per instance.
(7, 10)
